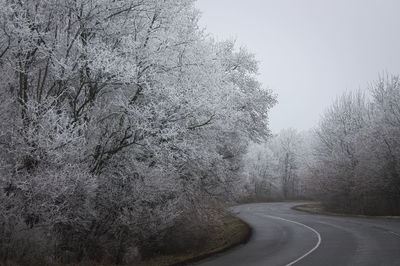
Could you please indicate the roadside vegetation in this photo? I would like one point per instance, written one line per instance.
(350, 162)
(357, 152)
(230, 233)
(319, 208)
(122, 130)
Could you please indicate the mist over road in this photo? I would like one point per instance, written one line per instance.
(284, 237)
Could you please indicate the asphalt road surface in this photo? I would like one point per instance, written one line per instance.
(285, 237)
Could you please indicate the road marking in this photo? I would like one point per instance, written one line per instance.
(306, 226)
(394, 233)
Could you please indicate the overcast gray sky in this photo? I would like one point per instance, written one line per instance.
(310, 51)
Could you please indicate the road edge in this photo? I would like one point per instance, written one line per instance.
(317, 208)
(246, 237)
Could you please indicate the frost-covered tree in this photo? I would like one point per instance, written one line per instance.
(262, 181)
(118, 119)
(355, 167)
(337, 148)
(275, 169)
(288, 149)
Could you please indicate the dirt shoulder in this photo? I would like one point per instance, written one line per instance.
(235, 232)
(318, 208)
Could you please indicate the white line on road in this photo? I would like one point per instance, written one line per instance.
(394, 233)
(306, 226)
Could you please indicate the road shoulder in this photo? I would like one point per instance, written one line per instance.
(235, 232)
(318, 208)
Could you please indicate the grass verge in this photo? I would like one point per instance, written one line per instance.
(318, 208)
(234, 232)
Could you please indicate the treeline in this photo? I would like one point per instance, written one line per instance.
(122, 126)
(356, 165)
(350, 161)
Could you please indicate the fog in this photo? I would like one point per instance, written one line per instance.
(127, 131)
(310, 51)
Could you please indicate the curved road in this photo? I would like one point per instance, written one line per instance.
(285, 237)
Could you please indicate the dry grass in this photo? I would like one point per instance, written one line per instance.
(318, 208)
(234, 232)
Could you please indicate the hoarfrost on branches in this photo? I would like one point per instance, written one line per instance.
(118, 119)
